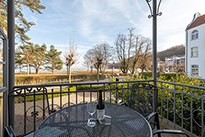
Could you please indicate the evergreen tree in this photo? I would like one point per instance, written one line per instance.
(24, 52)
(22, 25)
(38, 57)
(53, 59)
(18, 59)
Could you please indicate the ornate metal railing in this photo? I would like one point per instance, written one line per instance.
(182, 106)
(2, 110)
(33, 103)
(179, 104)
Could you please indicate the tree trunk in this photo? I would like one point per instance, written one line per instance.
(91, 70)
(70, 74)
(133, 67)
(142, 70)
(67, 71)
(20, 68)
(52, 70)
(37, 70)
(98, 75)
(27, 69)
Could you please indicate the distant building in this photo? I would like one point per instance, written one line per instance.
(195, 46)
(175, 59)
(175, 62)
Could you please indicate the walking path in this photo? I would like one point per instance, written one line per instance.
(19, 109)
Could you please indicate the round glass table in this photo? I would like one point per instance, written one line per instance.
(72, 122)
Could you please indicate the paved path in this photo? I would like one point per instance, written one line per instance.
(19, 109)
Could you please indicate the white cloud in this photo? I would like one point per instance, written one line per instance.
(94, 21)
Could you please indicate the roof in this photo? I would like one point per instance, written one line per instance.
(198, 21)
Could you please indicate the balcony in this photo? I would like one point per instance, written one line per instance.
(28, 106)
(177, 109)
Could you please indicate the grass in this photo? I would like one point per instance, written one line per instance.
(30, 98)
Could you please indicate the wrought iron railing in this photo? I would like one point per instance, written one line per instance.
(35, 102)
(3, 110)
(182, 106)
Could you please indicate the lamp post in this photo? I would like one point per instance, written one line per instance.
(154, 12)
(112, 68)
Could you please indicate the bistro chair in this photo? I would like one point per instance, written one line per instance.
(203, 133)
(10, 132)
(141, 100)
(165, 131)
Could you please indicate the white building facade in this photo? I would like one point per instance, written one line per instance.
(195, 47)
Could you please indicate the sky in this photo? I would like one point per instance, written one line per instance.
(90, 22)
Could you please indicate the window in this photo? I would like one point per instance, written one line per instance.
(195, 34)
(194, 52)
(195, 69)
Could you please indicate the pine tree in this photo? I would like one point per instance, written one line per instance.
(38, 57)
(25, 53)
(18, 59)
(53, 59)
(22, 25)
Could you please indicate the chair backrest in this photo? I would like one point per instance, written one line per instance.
(203, 133)
(142, 98)
(10, 132)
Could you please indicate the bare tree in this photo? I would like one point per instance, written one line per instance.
(161, 65)
(123, 52)
(89, 60)
(98, 58)
(145, 56)
(138, 45)
(107, 57)
(132, 50)
(86, 62)
(71, 57)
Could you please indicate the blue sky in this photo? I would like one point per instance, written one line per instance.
(93, 21)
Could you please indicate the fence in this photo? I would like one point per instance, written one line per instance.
(182, 106)
(176, 102)
(2, 110)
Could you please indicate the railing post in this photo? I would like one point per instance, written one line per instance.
(161, 99)
(167, 104)
(116, 90)
(11, 38)
(154, 13)
(191, 111)
(174, 105)
(182, 108)
(202, 112)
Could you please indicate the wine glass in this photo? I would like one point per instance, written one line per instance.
(91, 108)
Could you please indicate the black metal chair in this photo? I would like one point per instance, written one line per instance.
(9, 132)
(165, 131)
(203, 133)
(141, 100)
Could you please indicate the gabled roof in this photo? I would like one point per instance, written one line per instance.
(198, 21)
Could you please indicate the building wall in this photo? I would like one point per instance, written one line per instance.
(200, 43)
